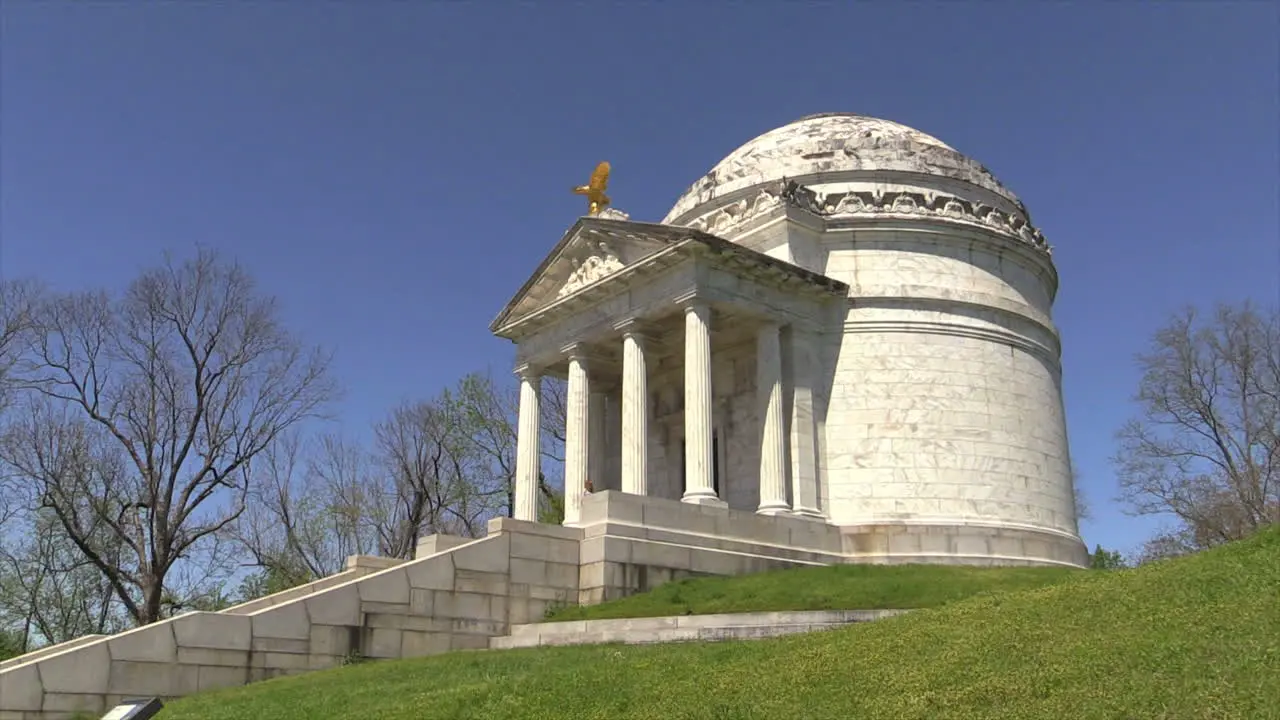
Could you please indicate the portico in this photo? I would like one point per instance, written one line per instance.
(690, 366)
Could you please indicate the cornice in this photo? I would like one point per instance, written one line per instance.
(858, 205)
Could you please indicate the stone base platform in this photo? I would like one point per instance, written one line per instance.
(683, 628)
(460, 593)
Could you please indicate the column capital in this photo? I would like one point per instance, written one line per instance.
(528, 371)
(579, 351)
(771, 325)
(635, 327)
(692, 301)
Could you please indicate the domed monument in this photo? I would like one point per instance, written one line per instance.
(836, 347)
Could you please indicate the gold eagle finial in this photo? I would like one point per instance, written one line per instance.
(594, 189)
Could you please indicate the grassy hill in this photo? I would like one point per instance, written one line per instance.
(1192, 638)
(842, 587)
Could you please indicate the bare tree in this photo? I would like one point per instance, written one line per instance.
(144, 414)
(17, 301)
(443, 465)
(1206, 446)
(314, 503)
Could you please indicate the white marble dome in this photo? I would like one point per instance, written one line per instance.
(833, 147)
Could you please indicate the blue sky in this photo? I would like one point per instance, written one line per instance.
(392, 171)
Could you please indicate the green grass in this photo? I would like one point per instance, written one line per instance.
(1188, 639)
(842, 587)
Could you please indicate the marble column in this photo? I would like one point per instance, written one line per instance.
(635, 415)
(597, 442)
(804, 427)
(576, 447)
(698, 463)
(528, 450)
(773, 440)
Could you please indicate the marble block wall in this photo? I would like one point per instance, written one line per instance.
(456, 599)
(945, 402)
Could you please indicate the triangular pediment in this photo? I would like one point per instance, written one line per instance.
(591, 252)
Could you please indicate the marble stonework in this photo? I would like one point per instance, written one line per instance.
(838, 348)
(845, 320)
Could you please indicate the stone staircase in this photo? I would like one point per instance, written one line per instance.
(680, 628)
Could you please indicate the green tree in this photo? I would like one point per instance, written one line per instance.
(1103, 559)
(11, 644)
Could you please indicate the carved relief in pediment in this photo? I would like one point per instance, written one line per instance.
(597, 264)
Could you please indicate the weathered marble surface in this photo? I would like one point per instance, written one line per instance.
(832, 144)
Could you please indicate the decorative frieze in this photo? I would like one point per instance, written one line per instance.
(889, 204)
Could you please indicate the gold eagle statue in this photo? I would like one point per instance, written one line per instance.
(594, 189)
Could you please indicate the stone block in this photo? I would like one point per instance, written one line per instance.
(550, 594)
(592, 551)
(490, 555)
(586, 596)
(281, 645)
(904, 544)
(934, 543)
(154, 643)
(485, 583)
(214, 677)
(478, 627)
(330, 640)
(592, 575)
(717, 563)
(420, 602)
(661, 555)
(282, 660)
(212, 630)
(416, 623)
(391, 586)
(142, 678)
(620, 507)
(469, 642)
(211, 656)
(282, 621)
(368, 564)
(461, 605)
(381, 643)
(618, 550)
(561, 575)
(518, 611)
(418, 644)
(564, 551)
(434, 573)
(83, 670)
(970, 545)
(498, 608)
(73, 703)
(20, 689)
(336, 606)
(525, 571)
(324, 662)
(186, 680)
(380, 608)
(438, 543)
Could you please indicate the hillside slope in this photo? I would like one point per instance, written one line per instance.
(1196, 637)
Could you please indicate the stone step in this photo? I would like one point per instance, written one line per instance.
(683, 628)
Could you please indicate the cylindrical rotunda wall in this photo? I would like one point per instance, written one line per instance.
(945, 404)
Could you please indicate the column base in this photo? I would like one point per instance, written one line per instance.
(809, 513)
(774, 510)
(704, 500)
